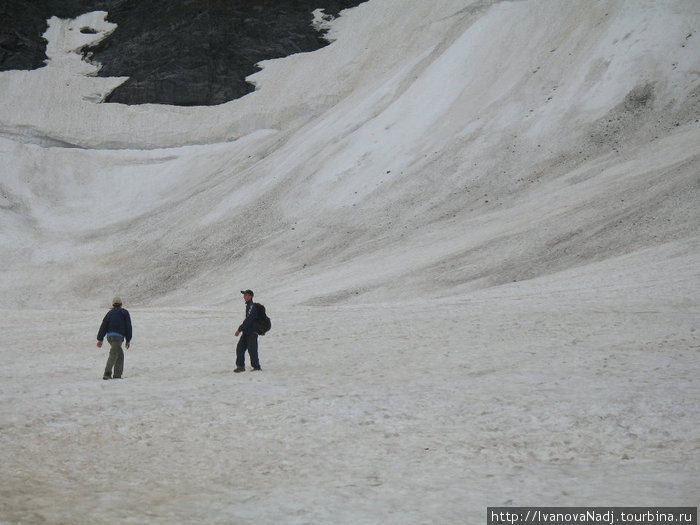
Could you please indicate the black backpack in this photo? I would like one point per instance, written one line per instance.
(262, 324)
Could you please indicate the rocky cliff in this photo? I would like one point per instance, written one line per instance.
(180, 52)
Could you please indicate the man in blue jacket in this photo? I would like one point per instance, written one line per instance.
(117, 327)
(249, 339)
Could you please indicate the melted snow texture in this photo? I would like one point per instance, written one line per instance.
(477, 237)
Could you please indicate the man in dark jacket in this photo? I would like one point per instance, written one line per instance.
(117, 327)
(249, 339)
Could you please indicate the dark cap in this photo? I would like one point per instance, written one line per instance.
(248, 292)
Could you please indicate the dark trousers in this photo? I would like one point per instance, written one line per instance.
(116, 356)
(247, 341)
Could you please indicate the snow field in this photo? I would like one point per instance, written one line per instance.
(475, 228)
(565, 392)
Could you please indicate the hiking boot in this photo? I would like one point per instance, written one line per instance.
(106, 377)
(258, 369)
(239, 369)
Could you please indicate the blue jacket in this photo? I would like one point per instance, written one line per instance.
(116, 322)
(251, 314)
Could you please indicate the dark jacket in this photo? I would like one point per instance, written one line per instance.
(116, 321)
(251, 314)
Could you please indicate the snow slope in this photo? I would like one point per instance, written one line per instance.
(475, 226)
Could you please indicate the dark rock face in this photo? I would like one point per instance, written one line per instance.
(180, 52)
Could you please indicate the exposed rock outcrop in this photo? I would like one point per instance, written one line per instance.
(184, 52)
